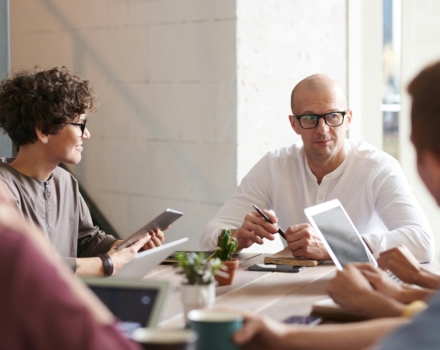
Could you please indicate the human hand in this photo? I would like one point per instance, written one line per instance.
(261, 332)
(350, 289)
(303, 241)
(125, 255)
(381, 281)
(255, 228)
(157, 238)
(401, 262)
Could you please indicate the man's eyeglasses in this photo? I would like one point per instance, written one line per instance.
(82, 126)
(310, 121)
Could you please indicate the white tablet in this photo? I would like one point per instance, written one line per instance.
(343, 242)
(136, 303)
(158, 223)
(149, 259)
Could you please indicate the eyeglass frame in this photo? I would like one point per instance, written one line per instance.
(81, 125)
(319, 117)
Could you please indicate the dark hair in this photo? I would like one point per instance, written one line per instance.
(425, 113)
(47, 99)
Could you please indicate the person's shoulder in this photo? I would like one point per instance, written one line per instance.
(363, 151)
(62, 175)
(6, 172)
(292, 151)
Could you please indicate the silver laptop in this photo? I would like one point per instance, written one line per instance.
(148, 260)
(343, 242)
(136, 303)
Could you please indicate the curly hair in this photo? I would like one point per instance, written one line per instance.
(43, 99)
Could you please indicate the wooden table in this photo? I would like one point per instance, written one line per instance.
(276, 294)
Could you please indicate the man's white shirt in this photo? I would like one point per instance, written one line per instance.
(369, 183)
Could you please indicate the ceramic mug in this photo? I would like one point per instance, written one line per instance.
(215, 328)
(165, 339)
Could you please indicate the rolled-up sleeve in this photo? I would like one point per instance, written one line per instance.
(402, 215)
(91, 240)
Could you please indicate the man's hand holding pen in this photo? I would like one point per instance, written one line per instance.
(303, 241)
(255, 228)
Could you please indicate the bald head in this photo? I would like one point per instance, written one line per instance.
(318, 84)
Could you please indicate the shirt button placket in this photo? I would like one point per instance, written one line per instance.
(322, 191)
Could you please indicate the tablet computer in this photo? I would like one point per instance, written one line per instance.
(147, 260)
(339, 235)
(136, 303)
(158, 223)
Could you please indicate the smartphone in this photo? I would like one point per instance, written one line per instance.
(158, 223)
(306, 320)
(275, 268)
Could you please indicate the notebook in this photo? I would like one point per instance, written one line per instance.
(343, 242)
(284, 257)
(136, 303)
(149, 259)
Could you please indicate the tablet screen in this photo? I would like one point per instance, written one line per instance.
(341, 236)
(133, 307)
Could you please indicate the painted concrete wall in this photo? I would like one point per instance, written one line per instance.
(280, 42)
(165, 73)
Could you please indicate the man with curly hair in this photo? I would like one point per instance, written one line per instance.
(44, 113)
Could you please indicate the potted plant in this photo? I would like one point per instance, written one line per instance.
(226, 247)
(198, 291)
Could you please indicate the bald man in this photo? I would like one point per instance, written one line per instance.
(368, 182)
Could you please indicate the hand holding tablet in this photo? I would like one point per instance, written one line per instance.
(161, 222)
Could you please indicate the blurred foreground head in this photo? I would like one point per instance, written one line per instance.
(425, 125)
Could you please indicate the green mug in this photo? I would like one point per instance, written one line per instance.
(215, 328)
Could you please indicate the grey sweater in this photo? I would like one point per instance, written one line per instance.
(57, 207)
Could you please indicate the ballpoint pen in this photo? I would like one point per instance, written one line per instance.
(280, 231)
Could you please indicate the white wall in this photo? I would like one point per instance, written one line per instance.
(165, 73)
(420, 29)
(364, 90)
(280, 42)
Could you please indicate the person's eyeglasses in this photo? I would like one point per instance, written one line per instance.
(310, 121)
(82, 126)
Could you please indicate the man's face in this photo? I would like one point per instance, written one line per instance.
(323, 143)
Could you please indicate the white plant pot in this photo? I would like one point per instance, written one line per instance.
(197, 297)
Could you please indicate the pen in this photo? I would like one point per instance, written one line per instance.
(280, 231)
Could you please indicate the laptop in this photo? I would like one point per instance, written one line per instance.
(343, 242)
(136, 303)
(148, 260)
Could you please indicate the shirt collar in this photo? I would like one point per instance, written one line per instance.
(335, 173)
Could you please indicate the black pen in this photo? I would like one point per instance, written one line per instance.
(280, 231)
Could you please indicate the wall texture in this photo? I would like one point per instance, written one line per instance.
(165, 73)
(279, 43)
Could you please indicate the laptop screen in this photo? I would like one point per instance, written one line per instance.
(133, 307)
(341, 236)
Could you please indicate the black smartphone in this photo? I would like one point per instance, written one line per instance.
(275, 268)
